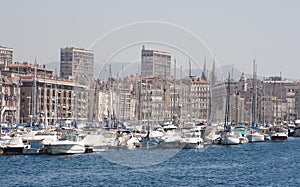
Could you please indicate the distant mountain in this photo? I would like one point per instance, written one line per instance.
(234, 72)
(102, 72)
(52, 66)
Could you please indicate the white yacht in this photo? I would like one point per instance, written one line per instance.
(279, 135)
(230, 139)
(255, 137)
(71, 144)
(193, 142)
(15, 146)
(38, 141)
(297, 128)
(171, 138)
(34, 147)
(193, 139)
(133, 142)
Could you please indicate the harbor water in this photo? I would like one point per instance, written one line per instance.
(253, 164)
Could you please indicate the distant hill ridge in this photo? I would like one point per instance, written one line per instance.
(131, 69)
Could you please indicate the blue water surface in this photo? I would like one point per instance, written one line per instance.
(256, 164)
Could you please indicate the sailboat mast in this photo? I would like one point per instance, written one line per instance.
(112, 117)
(165, 89)
(34, 93)
(45, 102)
(227, 103)
(174, 98)
(189, 96)
(253, 95)
(124, 95)
(55, 99)
(281, 112)
(95, 103)
(17, 96)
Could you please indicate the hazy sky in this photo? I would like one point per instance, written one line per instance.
(237, 31)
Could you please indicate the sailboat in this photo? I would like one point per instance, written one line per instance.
(228, 137)
(254, 136)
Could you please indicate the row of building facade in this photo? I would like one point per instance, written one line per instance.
(33, 93)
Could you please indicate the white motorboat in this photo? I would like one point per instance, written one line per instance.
(65, 147)
(255, 137)
(39, 141)
(35, 147)
(230, 139)
(15, 146)
(171, 138)
(193, 139)
(279, 135)
(133, 142)
(243, 140)
(4, 140)
(72, 144)
(192, 142)
(297, 128)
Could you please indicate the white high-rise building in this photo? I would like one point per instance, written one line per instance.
(6, 55)
(155, 63)
(77, 64)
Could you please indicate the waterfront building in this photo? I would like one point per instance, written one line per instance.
(155, 63)
(103, 101)
(158, 101)
(40, 97)
(284, 99)
(9, 101)
(56, 100)
(6, 55)
(218, 102)
(78, 64)
(125, 101)
(297, 101)
(154, 100)
(194, 97)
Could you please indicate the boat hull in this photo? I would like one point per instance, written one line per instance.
(13, 150)
(33, 151)
(230, 141)
(193, 143)
(297, 132)
(279, 137)
(65, 148)
(256, 137)
(171, 145)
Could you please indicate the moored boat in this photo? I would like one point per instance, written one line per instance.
(256, 137)
(65, 147)
(171, 138)
(15, 146)
(229, 139)
(35, 147)
(297, 128)
(279, 135)
(71, 144)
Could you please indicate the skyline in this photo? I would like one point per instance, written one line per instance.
(236, 32)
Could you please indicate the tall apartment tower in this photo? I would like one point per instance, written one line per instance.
(156, 63)
(77, 64)
(6, 55)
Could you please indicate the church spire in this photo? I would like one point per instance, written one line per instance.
(213, 73)
(203, 77)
